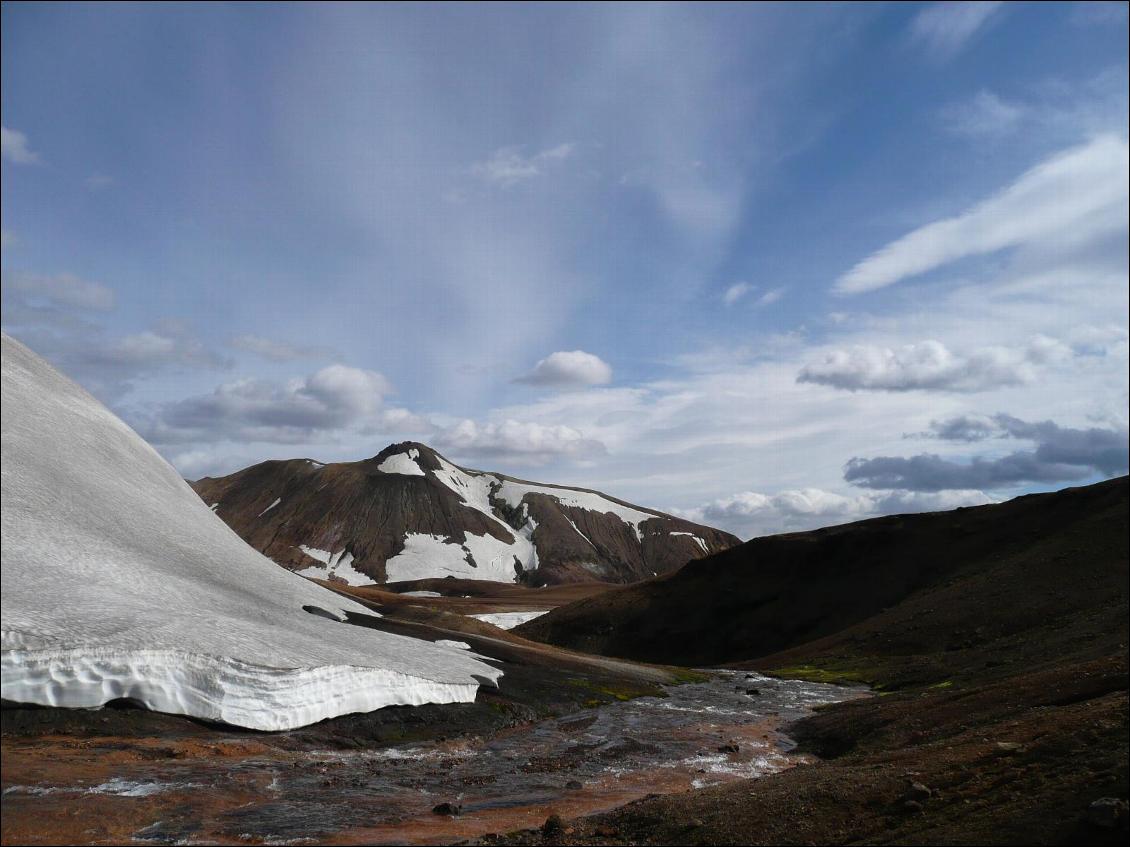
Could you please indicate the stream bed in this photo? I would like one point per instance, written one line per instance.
(701, 734)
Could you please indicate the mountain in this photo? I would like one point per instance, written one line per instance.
(915, 590)
(118, 583)
(408, 513)
(995, 636)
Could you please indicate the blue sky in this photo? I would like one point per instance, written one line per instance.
(768, 266)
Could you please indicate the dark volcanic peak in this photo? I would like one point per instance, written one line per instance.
(408, 513)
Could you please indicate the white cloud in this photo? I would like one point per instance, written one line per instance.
(750, 514)
(97, 182)
(740, 290)
(520, 442)
(736, 292)
(14, 148)
(334, 398)
(63, 289)
(984, 116)
(931, 365)
(945, 28)
(1081, 191)
(771, 296)
(276, 351)
(508, 165)
(569, 368)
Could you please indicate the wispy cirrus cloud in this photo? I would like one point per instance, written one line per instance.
(62, 289)
(944, 29)
(1082, 190)
(274, 350)
(508, 166)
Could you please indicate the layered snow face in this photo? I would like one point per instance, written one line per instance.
(119, 582)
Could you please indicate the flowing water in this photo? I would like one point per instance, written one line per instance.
(594, 760)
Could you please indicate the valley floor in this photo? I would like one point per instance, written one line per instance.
(564, 733)
(1035, 759)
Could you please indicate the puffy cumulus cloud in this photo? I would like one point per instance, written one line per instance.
(60, 290)
(931, 365)
(334, 398)
(1081, 191)
(276, 351)
(569, 368)
(520, 442)
(14, 148)
(508, 165)
(749, 514)
(945, 28)
(1062, 454)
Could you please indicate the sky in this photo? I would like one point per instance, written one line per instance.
(766, 266)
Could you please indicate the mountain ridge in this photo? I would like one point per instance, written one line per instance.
(409, 513)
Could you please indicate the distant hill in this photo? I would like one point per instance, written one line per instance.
(900, 598)
(408, 513)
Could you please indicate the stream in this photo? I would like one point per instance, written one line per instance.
(591, 761)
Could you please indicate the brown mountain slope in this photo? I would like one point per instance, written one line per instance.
(408, 513)
(997, 637)
(907, 590)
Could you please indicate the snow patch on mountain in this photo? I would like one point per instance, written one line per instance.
(119, 582)
(277, 501)
(336, 564)
(511, 491)
(701, 543)
(402, 463)
(509, 620)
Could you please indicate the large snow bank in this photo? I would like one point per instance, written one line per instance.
(119, 582)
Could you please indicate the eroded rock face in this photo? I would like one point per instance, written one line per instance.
(408, 513)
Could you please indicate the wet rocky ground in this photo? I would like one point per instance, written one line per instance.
(189, 783)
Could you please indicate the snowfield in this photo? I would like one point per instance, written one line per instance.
(119, 582)
(509, 620)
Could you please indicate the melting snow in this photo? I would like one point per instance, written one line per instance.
(701, 543)
(336, 564)
(425, 556)
(402, 463)
(277, 501)
(512, 492)
(87, 502)
(509, 620)
(458, 645)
